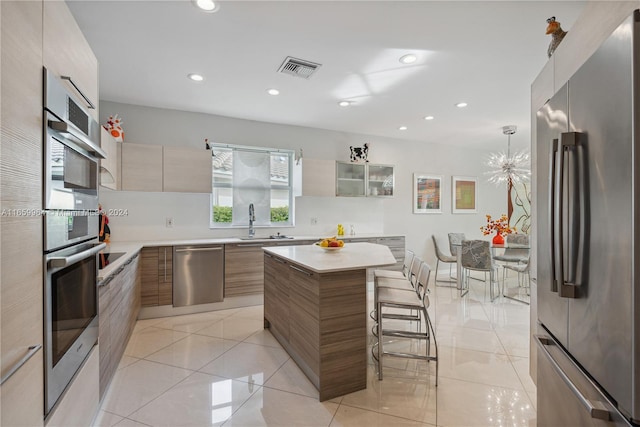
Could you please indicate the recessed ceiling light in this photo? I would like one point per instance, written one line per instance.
(344, 103)
(461, 104)
(273, 92)
(429, 118)
(209, 6)
(409, 58)
(195, 77)
(402, 128)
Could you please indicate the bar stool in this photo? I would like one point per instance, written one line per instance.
(404, 282)
(413, 300)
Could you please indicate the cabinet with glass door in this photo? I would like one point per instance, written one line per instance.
(364, 179)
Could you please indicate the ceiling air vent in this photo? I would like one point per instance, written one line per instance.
(298, 67)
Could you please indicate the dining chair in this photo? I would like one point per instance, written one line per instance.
(524, 279)
(446, 259)
(513, 255)
(476, 256)
(455, 240)
(418, 299)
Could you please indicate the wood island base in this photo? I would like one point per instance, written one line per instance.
(320, 319)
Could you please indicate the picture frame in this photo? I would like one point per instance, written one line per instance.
(464, 194)
(427, 193)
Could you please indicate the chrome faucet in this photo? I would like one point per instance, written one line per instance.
(252, 217)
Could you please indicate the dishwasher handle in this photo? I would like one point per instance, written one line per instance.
(199, 249)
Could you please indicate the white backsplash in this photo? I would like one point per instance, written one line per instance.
(144, 216)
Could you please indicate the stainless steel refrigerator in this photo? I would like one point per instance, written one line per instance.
(588, 241)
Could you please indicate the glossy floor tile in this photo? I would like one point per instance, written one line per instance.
(224, 368)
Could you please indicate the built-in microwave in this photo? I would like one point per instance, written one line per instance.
(72, 150)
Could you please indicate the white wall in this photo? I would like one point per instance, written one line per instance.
(147, 211)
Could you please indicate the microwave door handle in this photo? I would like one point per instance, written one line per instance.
(552, 212)
(59, 262)
(75, 86)
(568, 146)
(70, 130)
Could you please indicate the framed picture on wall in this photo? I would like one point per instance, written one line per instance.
(464, 197)
(427, 193)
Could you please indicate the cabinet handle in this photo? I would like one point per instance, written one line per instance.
(301, 270)
(165, 265)
(90, 104)
(279, 260)
(32, 350)
(246, 245)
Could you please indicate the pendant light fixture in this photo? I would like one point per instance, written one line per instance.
(506, 167)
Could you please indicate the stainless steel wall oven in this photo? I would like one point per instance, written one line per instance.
(71, 153)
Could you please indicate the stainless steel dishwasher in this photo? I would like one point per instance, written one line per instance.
(198, 274)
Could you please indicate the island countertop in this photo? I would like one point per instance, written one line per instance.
(352, 256)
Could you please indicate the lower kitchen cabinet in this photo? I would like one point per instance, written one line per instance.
(276, 286)
(397, 246)
(244, 266)
(118, 304)
(243, 269)
(157, 276)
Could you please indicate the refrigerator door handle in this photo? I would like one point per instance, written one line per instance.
(557, 223)
(552, 212)
(569, 142)
(596, 409)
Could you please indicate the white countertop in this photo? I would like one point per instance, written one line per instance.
(352, 256)
(131, 248)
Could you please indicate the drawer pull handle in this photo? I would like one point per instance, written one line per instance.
(301, 270)
(32, 350)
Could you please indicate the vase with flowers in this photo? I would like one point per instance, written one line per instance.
(500, 226)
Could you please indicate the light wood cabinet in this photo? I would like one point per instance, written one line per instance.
(276, 294)
(187, 170)
(110, 166)
(67, 53)
(318, 177)
(141, 167)
(157, 276)
(21, 275)
(244, 266)
(119, 304)
(148, 167)
(320, 319)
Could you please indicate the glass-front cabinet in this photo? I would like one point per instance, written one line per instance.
(363, 179)
(380, 180)
(350, 179)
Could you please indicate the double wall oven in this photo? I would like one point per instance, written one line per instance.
(71, 153)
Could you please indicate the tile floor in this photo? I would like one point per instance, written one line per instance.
(223, 368)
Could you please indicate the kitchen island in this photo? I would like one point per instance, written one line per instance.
(315, 304)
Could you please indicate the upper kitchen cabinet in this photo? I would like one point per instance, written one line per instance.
(141, 167)
(350, 179)
(318, 177)
(66, 53)
(110, 166)
(187, 170)
(380, 180)
(355, 179)
(149, 167)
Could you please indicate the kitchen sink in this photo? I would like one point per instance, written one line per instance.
(272, 237)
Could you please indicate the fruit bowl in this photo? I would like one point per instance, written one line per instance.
(331, 249)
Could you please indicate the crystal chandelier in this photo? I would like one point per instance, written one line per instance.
(506, 167)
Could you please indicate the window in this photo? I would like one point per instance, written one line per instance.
(247, 175)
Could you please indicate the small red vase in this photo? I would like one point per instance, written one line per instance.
(498, 239)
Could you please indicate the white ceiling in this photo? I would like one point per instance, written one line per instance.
(483, 53)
